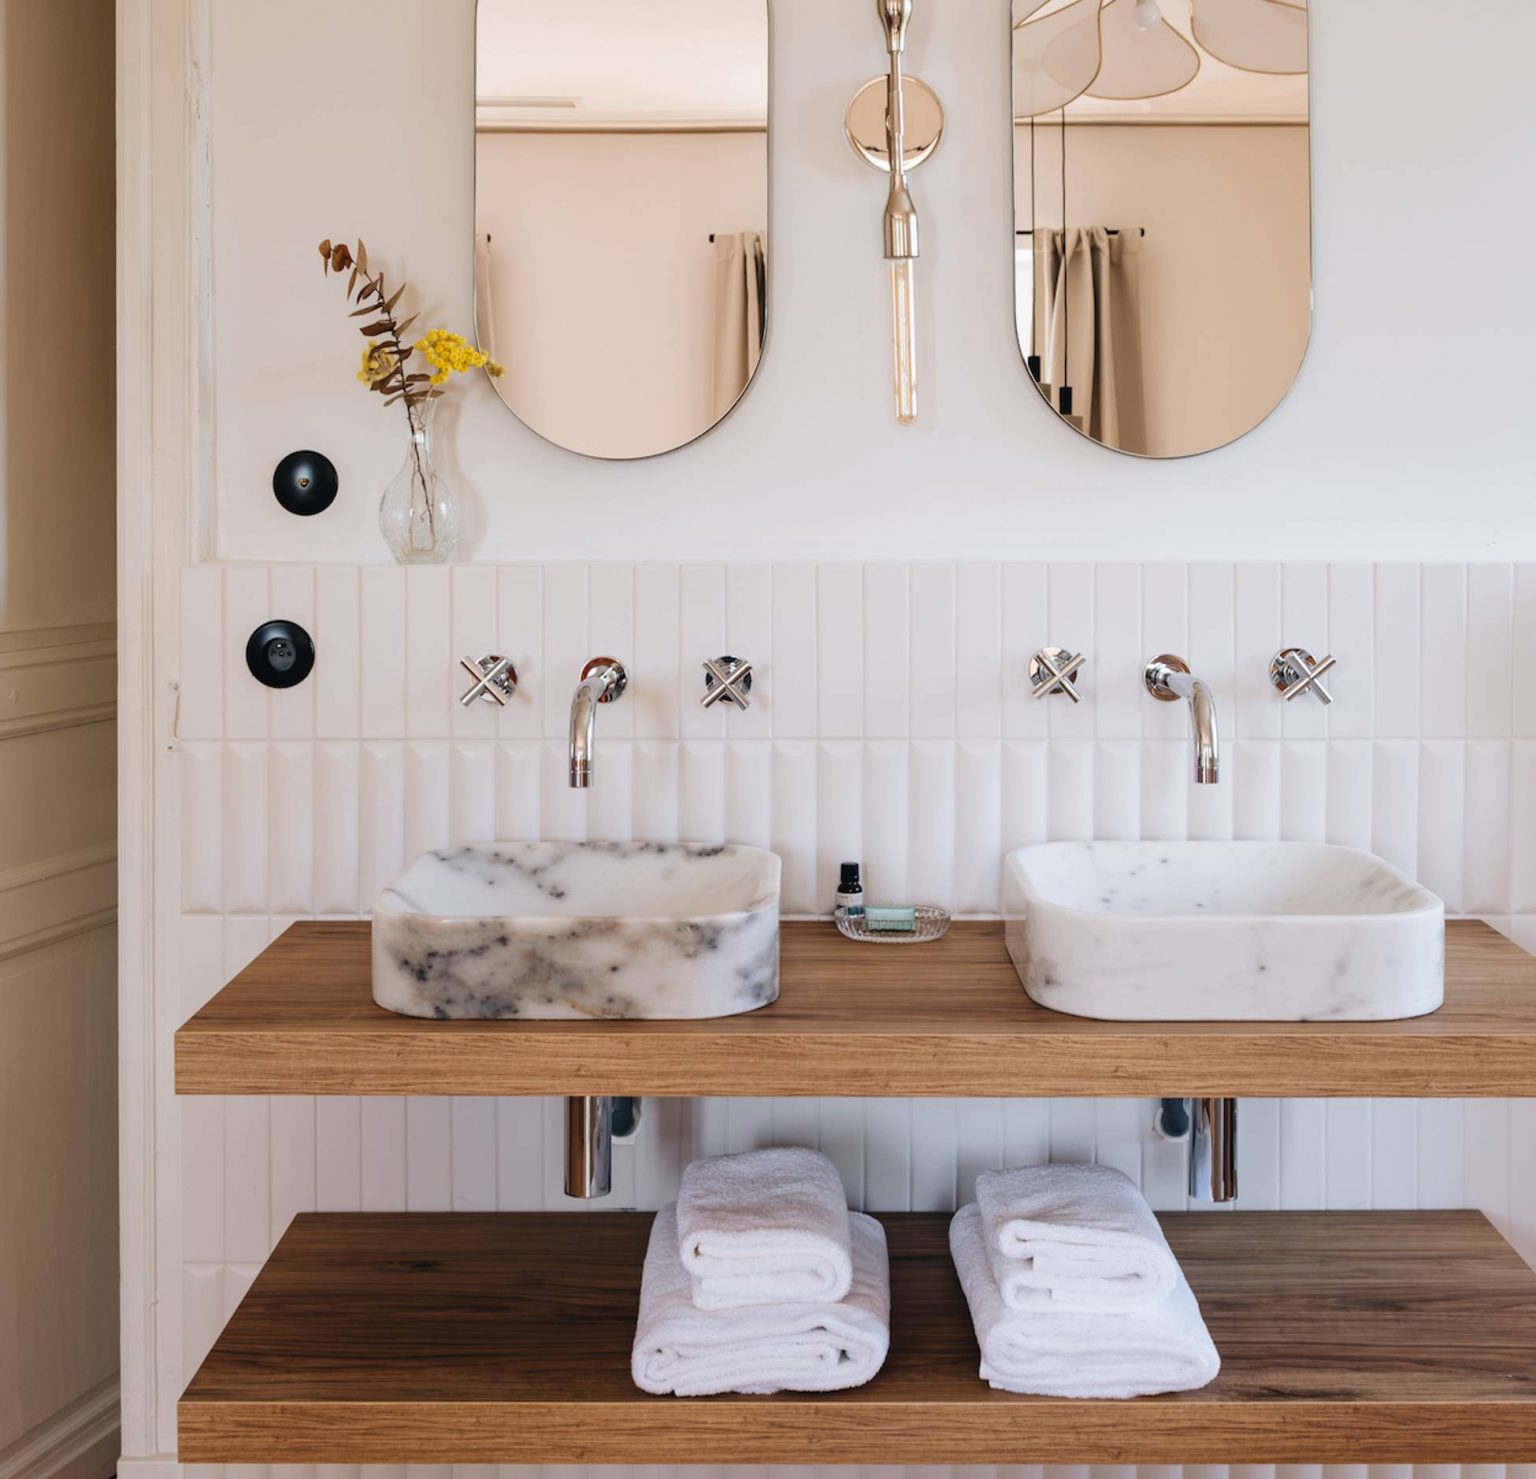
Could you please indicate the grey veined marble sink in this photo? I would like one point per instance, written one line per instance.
(1222, 932)
(579, 929)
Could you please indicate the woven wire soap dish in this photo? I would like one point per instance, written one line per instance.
(932, 924)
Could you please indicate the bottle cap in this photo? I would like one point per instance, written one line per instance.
(849, 883)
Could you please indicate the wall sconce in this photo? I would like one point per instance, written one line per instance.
(894, 123)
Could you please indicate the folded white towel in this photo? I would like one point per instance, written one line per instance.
(1163, 1349)
(766, 1227)
(806, 1347)
(1074, 1238)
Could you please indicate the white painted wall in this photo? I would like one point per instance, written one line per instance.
(1417, 385)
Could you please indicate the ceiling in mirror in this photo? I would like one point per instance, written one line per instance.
(621, 214)
(1162, 214)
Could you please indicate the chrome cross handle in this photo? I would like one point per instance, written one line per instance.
(727, 678)
(495, 679)
(1052, 669)
(1294, 671)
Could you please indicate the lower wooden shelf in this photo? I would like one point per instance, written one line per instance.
(482, 1338)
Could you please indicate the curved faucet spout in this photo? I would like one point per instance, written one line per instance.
(602, 680)
(1169, 679)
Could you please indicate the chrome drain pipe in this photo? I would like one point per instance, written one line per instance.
(588, 1146)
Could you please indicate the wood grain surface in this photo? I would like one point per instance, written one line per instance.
(948, 1019)
(1380, 1337)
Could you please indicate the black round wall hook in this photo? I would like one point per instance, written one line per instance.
(305, 482)
(280, 654)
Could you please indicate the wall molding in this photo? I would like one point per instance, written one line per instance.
(57, 898)
(68, 1436)
(48, 672)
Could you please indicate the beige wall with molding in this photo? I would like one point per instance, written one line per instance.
(58, 1023)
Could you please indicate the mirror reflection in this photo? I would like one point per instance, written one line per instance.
(1162, 205)
(621, 206)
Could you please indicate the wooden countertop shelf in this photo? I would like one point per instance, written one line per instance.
(1380, 1337)
(948, 1019)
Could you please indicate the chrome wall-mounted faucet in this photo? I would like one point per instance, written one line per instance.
(602, 680)
(1168, 678)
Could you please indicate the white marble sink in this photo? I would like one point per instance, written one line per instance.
(579, 929)
(1222, 932)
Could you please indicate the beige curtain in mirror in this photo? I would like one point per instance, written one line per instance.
(740, 283)
(1088, 329)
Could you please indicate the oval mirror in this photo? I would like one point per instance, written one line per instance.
(1162, 213)
(621, 214)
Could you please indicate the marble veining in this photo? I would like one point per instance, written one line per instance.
(579, 929)
(1222, 931)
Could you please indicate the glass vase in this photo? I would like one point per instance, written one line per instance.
(419, 512)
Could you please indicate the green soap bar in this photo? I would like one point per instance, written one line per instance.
(895, 918)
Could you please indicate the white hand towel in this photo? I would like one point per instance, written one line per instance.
(1074, 1238)
(809, 1347)
(766, 1227)
(1163, 1349)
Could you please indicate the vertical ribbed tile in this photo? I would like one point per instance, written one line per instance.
(291, 828)
(655, 791)
(293, 1161)
(1397, 649)
(1442, 1183)
(1074, 1131)
(1257, 790)
(934, 1154)
(701, 634)
(931, 822)
(426, 797)
(381, 818)
(979, 651)
(247, 1180)
(1116, 662)
(1443, 650)
(383, 1154)
(471, 792)
(1213, 637)
(472, 602)
(518, 791)
(202, 1118)
(1486, 1149)
(338, 637)
(841, 1126)
(886, 845)
(794, 651)
(887, 652)
(840, 651)
(1070, 624)
(978, 827)
(1117, 791)
(701, 791)
(245, 828)
(520, 636)
(1165, 1170)
(1303, 1155)
(428, 1154)
(292, 597)
(1026, 624)
(1258, 633)
(472, 1126)
(562, 808)
(1522, 1189)
(839, 815)
(1485, 878)
(202, 1318)
(1522, 828)
(1490, 650)
(338, 1153)
(1303, 623)
(978, 1143)
(566, 648)
(201, 670)
(202, 828)
(887, 1154)
(1352, 640)
(1164, 629)
(1442, 819)
(1166, 766)
(1394, 1154)
(1026, 1132)
(1069, 792)
(1523, 656)
(1211, 808)
(381, 599)
(749, 638)
(247, 604)
(749, 793)
(1304, 790)
(1395, 803)
(932, 647)
(520, 1154)
(794, 826)
(611, 806)
(1117, 1134)
(611, 633)
(1025, 785)
(1349, 793)
(1258, 1153)
(1347, 1146)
